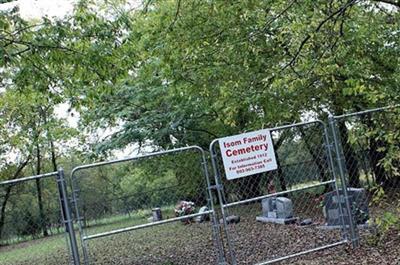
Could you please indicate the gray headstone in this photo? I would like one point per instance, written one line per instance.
(202, 218)
(277, 207)
(358, 202)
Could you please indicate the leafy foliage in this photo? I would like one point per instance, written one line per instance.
(177, 73)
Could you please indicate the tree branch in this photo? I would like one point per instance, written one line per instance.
(178, 8)
(280, 14)
(318, 28)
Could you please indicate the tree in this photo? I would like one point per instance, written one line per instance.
(28, 98)
(185, 72)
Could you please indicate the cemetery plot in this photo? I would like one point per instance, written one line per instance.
(147, 201)
(266, 234)
(281, 210)
(256, 239)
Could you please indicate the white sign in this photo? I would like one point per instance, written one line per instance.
(247, 154)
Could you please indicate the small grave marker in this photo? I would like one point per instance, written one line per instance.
(277, 210)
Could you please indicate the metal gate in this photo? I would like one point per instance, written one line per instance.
(45, 219)
(305, 174)
(168, 219)
(367, 145)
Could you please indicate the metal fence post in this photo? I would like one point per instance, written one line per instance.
(328, 148)
(215, 223)
(67, 216)
(352, 226)
(218, 187)
(75, 190)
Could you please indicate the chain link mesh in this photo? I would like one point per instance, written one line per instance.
(304, 176)
(134, 195)
(370, 149)
(125, 208)
(31, 227)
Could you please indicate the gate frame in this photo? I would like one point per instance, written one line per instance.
(327, 146)
(333, 120)
(65, 208)
(215, 227)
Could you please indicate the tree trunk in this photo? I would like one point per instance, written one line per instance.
(3, 209)
(321, 162)
(281, 176)
(53, 155)
(43, 223)
(7, 195)
(352, 165)
(375, 156)
(55, 168)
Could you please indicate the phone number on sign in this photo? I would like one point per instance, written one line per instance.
(248, 169)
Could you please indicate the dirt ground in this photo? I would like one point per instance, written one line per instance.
(387, 252)
(254, 242)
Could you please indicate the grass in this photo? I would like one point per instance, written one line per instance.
(173, 237)
(55, 247)
(33, 250)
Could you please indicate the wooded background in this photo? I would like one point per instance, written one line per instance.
(176, 73)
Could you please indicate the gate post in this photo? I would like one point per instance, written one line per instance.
(215, 222)
(67, 216)
(354, 237)
(219, 189)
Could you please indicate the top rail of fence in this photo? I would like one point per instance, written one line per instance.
(19, 180)
(347, 115)
(132, 158)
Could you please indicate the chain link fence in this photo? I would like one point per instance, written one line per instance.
(151, 209)
(279, 214)
(370, 158)
(32, 221)
(330, 183)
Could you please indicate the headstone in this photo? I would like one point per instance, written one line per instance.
(157, 216)
(202, 218)
(358, 202)
(277, 210)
